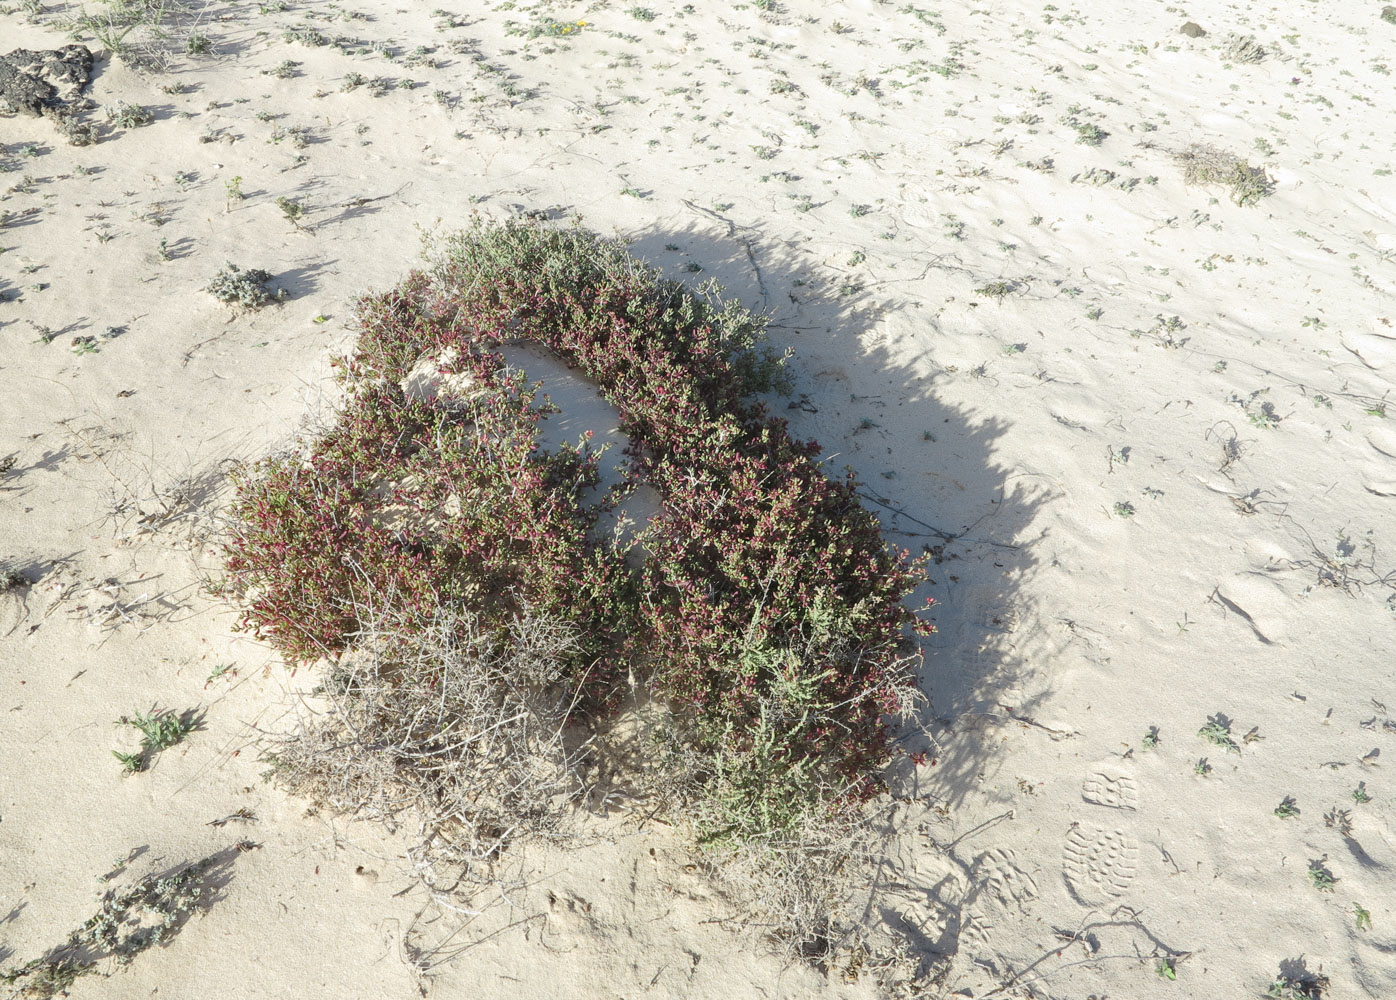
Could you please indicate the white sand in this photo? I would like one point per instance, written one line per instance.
(1155, 520)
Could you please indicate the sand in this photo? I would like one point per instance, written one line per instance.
(1142, 428)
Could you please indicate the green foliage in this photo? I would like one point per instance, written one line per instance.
(159, 731)
(246, 288)
(129, 115)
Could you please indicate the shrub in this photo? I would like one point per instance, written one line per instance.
(765, 615)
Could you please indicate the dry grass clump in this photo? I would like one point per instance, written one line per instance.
(1205, 164)
(459, 726)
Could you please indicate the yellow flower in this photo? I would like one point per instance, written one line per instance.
(581, 24)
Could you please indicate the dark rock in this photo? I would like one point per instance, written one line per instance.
(1192, 29)
(25, 93)
(35, 82)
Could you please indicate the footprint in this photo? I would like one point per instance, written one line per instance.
(1098, 864)
(1112, 788)
(1008, 884)
(975, 934)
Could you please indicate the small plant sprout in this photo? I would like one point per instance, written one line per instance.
(1287, 808)
(233, 190)
(1320, 877)
(1340, 820)
(11, 576)
(129, 115)
(1360, 794)
(1362, 916)
(1306, 986)
(1165, 969)
(221, 670)
(996, 290)
(291, 209)
(1123, 508)
(1150, 739)
(1218, 733)
(1202, 768)
(159, 731)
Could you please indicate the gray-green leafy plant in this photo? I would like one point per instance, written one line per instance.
(1218, 733)
(126, 923)
(1320, 877)
(246, 288)
(129, 115)
(159, 731)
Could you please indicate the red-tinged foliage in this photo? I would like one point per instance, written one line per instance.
(767, 599)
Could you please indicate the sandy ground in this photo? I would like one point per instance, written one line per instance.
(1142, 428)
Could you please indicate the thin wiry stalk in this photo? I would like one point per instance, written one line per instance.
(462, 726)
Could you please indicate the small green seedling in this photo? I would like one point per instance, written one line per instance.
(996, 290)
(159, 731)
(1150, 739)
(1320, 876)
(1308, 987)
(1360, 794)
(1287, 807)
(130, 762)
(1363, 917)
(1166, 969)
(291, 209)
(1202, 768)
(1340, 820)
(1218, 733)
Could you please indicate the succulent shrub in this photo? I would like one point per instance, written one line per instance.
(765, 612)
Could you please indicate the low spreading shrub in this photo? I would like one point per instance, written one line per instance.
(764, 613)
(1205, 164)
